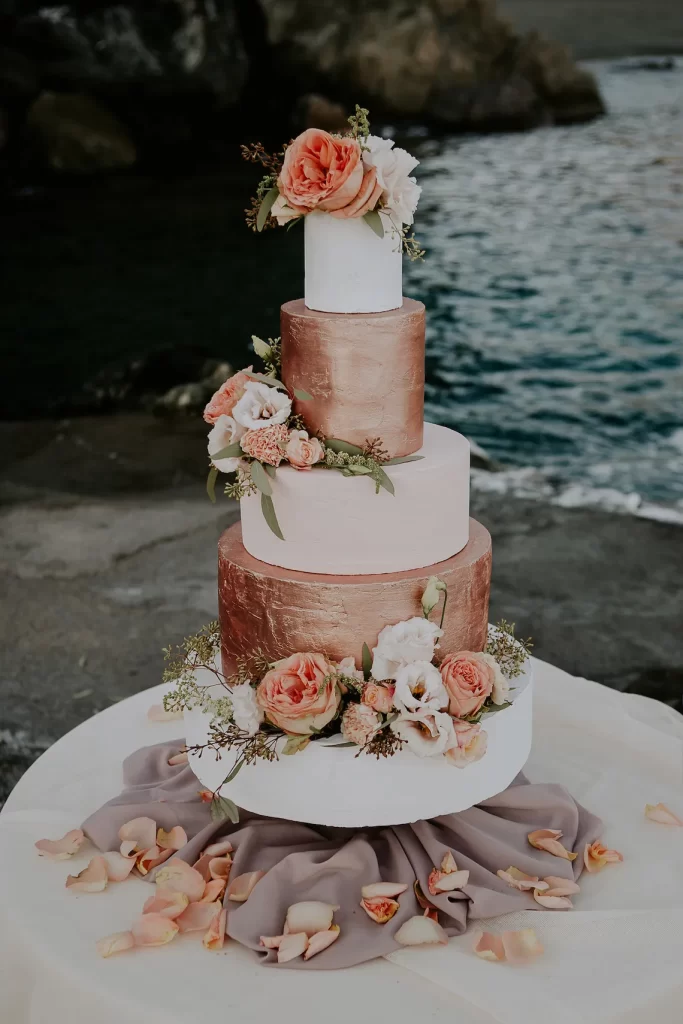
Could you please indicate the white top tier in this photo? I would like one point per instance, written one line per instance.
(349, 268)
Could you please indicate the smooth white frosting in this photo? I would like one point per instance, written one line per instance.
(338, 525)
(349, 269)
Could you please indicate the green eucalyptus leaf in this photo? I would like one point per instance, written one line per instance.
(261, 347)
(293, 221)
(492, 709)
(265, 379)
(373, 219)
(236, 768)
(268, 510)
(385, 481)
(296, 743)
(270, 470)
(265, 207)
(366, 662)
(211, 483)
(302, 395)
(342, 446)
(359, 470)
(260, 478)
(223, 809)
(233, 451)
(403, 458)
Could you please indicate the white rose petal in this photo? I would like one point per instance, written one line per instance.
(283, 213)
(347, 667)
(246, 714)
(225, 431)
(426, 733)
(406, 642)
(261, 405)
(400, 191)
(419, 686)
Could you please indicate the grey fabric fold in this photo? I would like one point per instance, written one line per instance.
(312, 862)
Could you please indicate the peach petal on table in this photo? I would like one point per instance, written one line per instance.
(390, 889)
(61, 849)
(158, 713)
(166, 903)
(440, 882)
(219, 867)
(560, 886)
(520, 880)
(92, 878)
(309, 917)
(127, 849)
(552, 902)
(320, 941)
(153, 930)
(292, 946)
(119, 942)
(149, 859)
(180, 877)
(182, 757)
(240, 888)
(421, 931)
(118, 866)
(380, 908)
(141, 831)
(215, 936)
(596, 856)
(662, 815)
(521, 946)
(202, 866)
(213, 890)
(448, 865)
(218, 849)
(489, 946)
(175, 839)
(197, 917)
(272, 941)
(432, 913)
(548, 840)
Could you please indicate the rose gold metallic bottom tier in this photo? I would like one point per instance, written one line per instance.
(282, 611)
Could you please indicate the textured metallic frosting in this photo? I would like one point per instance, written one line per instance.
(283, 611)
(365, 372)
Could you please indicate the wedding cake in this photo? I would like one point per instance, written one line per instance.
(354, 593)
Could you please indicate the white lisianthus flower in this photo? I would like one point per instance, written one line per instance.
(400, 191)
(426, 733)
(282, 211)
(261, 406)
(224, 432)
(419, 687)
(246, 714)
(412, 640)
(347, 667)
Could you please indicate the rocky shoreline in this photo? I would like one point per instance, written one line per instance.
(108, 554)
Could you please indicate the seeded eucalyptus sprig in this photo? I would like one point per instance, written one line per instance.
(510, 653)
(360, 124)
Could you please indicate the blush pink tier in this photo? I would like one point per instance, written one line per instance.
(281, 610)
(365, 372)
(340, 526)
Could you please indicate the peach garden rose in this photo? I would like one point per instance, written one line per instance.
(470, 744)
(321, 172)
(299, 693)
(228, 395)
(303, 451)
(470, 678)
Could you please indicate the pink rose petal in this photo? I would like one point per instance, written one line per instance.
(127, 849)
(166, 903)
(182, 757)
(93, 878)
(547, 839)
(432, 913)
(292, 946)
(438, 882)
(152, 858)
(154, 930)
(173, 840)
(215, 936)
(489, 946)
(180, 877)
(596, 856)
(141, 831)
(118, 866)
(240, 888)
(61, 849)
(560, 886)
(219, 867)
(158, 713)
(320, 941)
(213, 890)
(662, 815)
(520, 880)
(272, 941)
(197, 917)
(389, 889)
(310, 917)
(202, 866)
(119, 942)
(448, 865)
(552, 902)
(380, 908)
(521, 946)
(420, 931)
(218, 849)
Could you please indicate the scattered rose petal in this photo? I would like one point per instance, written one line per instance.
(521, 946)
(215, 936)
(420, 931)
(552, 902)
(153, 930)
(662, 815)
(432, 913)
(197, 917)
(158, 713)
(213, 890)
(166, 903)
(420, 896)
(118, 866)
(520, 880)
(292, 946)
(273, 941)
(389, 889)
(173, 840)
(61, 849)
(93, 878)
(240, 888)
(218, 849)
(127, 849)
(489, 946)
(152, 858)
(596, 856)
(380, 908)
(310, 917)
(448, 865)
(182, 757)
(141, 831)
(320, 941)
(202, 866)
(219, 867)
(548, 840)
(119, 942)
(440, 882)
(560, 886)
(205, 795)
(180, 877)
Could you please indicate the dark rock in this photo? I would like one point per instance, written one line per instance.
(76, 134)
(313, 111)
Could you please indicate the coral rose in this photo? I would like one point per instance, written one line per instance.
(321, 172)
(303, 451)
(366, 200)
(381, 698)
(469, 678)
(359, 724)
(267, 445)
(227, 396)
(470, 745)
(299, 694)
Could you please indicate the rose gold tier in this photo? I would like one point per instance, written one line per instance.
(365, 372)
(282, 611)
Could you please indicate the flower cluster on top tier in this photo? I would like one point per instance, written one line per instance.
(346, 176)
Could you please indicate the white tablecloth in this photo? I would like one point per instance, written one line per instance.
(617, 957)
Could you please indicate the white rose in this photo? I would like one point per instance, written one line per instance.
(426, 733)
(246, 714)
(282, 212)
(261, 405)
(419, 687)
(400, 191)
(225, 431)
(501, 686)
(412, 640)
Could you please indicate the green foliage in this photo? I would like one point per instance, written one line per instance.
(360, 124)
(510, 653)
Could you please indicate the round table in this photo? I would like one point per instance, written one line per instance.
(615, 957)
